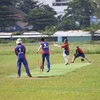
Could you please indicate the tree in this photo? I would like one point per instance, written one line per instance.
(27, 5)
(41, 17)
(7, 17)
(79, 11)
(66, 24)
(96, 6)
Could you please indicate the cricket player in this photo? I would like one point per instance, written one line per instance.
(80, 53)
(44, 46)
(65, 46)
(20, 51)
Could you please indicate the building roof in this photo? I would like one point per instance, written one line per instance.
(72, 33)
(98, 31)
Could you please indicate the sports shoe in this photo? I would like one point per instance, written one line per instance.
(18, 76)
(48, 71)
(42, 70)
(66, 63)
(30, 75)
(89, 61)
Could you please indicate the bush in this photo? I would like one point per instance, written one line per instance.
(4, 41)
(28, 40)
(17, 33)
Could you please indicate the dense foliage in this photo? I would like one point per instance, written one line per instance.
(7, 17)
(26, 5)
(43, 17)
(77, 15)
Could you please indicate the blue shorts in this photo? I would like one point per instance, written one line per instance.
(67, 52)
(78, 55)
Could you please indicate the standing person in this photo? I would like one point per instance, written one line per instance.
(65, 46)
(44, 46)
(20, 51)
(80, 53)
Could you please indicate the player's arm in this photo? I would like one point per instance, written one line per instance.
(24, 49)
(75, 53)
(39, 48)
(15, 51)
(57, 45)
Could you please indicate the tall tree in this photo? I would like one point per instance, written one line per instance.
(41, 17)
(7, 17)
(27, 5)
(80, 11)
(96, 6)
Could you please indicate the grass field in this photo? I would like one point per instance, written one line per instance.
(80, 84)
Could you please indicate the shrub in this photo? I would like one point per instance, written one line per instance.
(17, 33)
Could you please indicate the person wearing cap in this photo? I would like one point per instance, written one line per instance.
(44, 46)
(79, 53)
(20, 52)
(65, 46)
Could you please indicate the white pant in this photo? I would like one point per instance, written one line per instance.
(66, 58)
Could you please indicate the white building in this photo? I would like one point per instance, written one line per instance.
(57, 5)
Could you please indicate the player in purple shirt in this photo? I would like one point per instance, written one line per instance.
(20, 51)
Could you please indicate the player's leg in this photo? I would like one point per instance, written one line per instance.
(83, 55)
(43, 60)
(87, 59)
(26, 67)
(48, 62)
(65, 59)
(19, 67)
(68, 59)
(74, 57)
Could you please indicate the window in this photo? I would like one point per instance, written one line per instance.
(56, 4)
(61, 0)
(59, 4)
(58, 0)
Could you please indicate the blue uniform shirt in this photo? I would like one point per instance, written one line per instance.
(45, 47)
(20, 51)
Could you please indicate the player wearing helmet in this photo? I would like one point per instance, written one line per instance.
(65, 46)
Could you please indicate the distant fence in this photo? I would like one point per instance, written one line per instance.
(57, 39)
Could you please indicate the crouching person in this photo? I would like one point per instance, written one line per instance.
(80, 53)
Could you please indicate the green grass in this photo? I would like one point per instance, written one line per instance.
(80, 84)
(56, 69)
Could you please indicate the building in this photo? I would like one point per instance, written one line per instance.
(57, 5)
(73, 35)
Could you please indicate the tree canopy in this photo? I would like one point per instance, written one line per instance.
(41, 17)
(77, 11)
(27, 5)
(7, 17)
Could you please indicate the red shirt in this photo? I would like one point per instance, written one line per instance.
(79, 50)
(65, 46)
